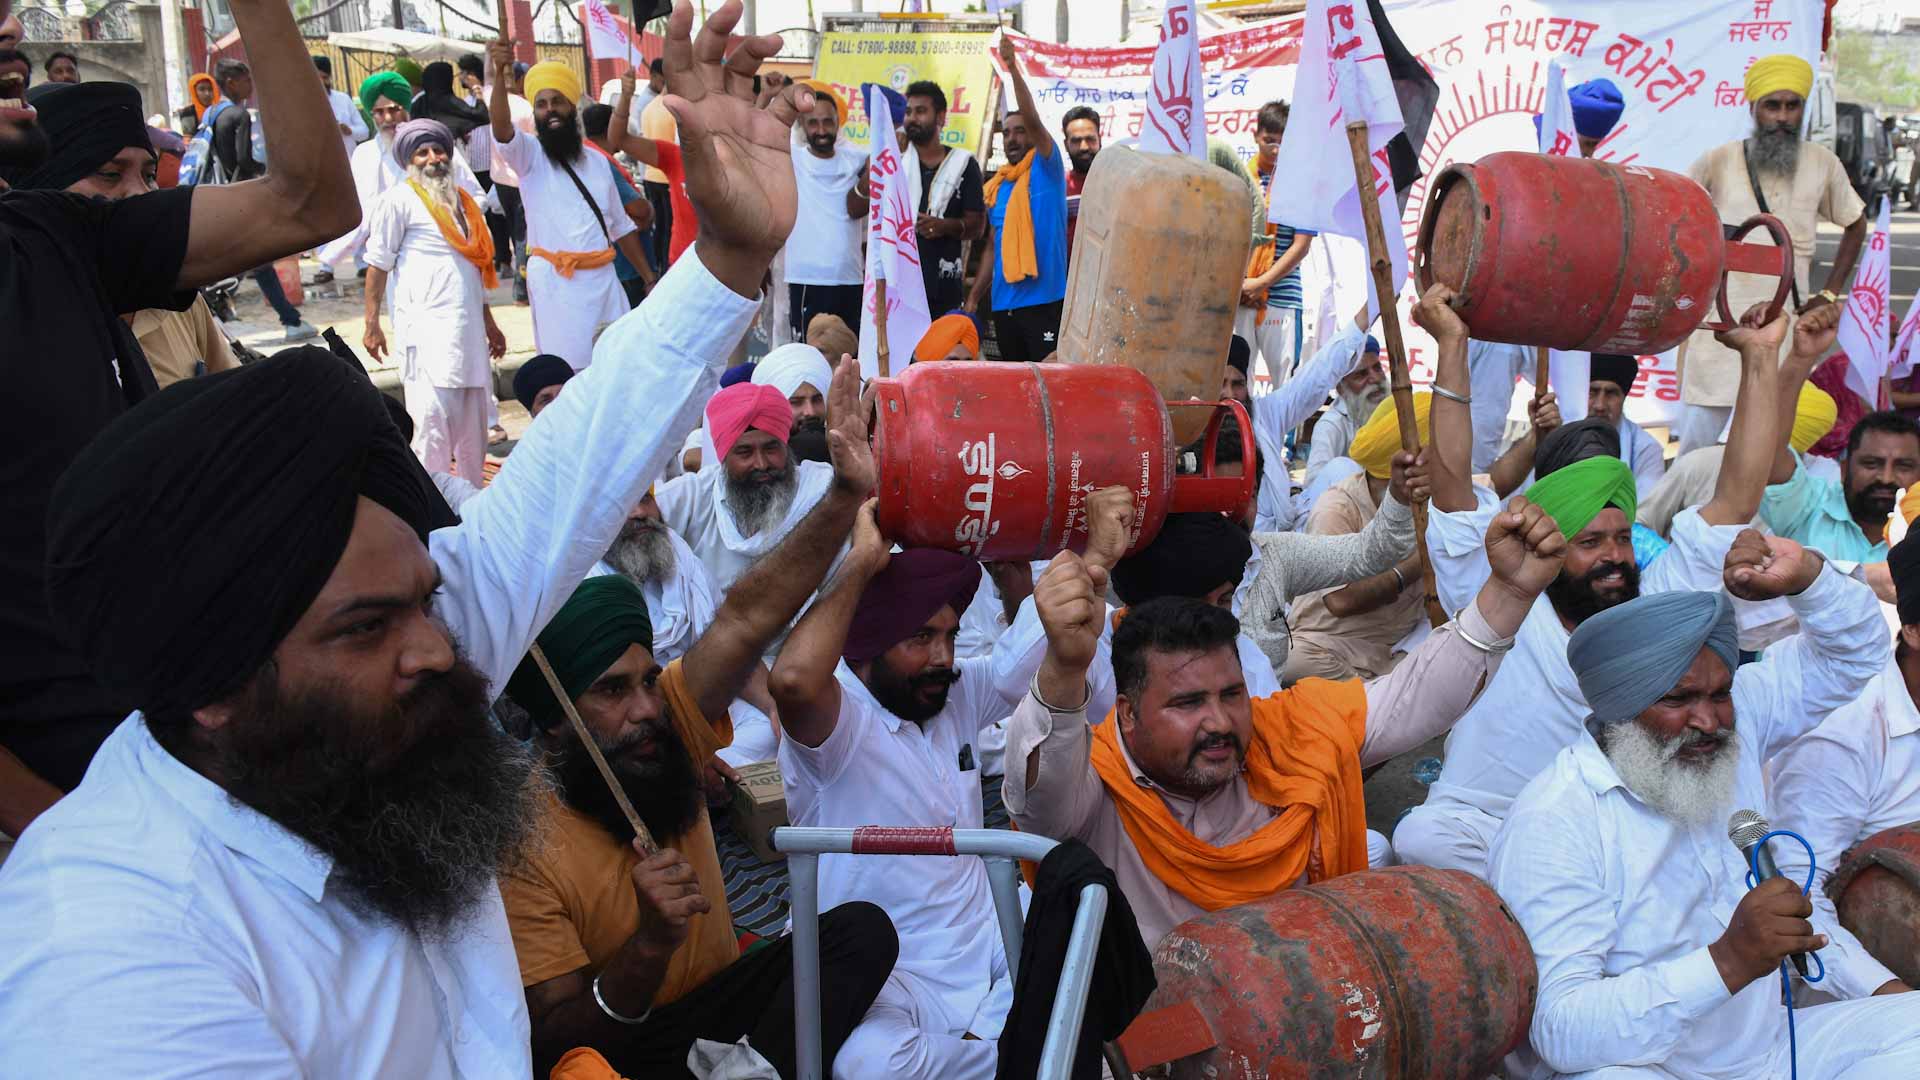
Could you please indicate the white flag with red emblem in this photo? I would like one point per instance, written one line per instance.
(1865, 326)
(1557, 134)
(1343, 77)
(1176, 120)
(893, 248)
(606, 38)
(1900, 363)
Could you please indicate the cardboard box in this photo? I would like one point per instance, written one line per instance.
(760, 806)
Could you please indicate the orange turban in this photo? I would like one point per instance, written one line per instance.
(946, 332)
(826, 90)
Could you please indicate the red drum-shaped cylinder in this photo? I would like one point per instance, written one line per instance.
(997, 460)
(1573, 253)
(1409, 972)
(1876, 891)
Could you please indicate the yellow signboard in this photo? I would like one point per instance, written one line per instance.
(957, 63)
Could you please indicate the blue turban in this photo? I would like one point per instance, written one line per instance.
(738, 373)
(1629, 656)
(1596, 107)
(1372, 347)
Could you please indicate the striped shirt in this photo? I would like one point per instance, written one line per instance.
(1284, 293)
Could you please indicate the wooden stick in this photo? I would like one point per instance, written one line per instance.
(880, 327)
(1540, 373)
(503, 37)
(640, 832)
(1402, 383)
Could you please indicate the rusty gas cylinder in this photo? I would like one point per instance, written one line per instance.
(1408, 972)
(1581, 254)
(1159, 253)
(997, 460)
(1876, 890)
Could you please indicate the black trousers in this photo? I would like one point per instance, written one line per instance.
(636, 290)
(754, 997)
(661, 242)
(1027, 333)
(806, 301)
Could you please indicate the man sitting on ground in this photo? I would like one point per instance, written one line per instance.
(1355, 397)
(952, 336)
(1611, 379)
(799, 372)
(539, 381)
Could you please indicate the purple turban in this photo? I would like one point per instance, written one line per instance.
(414, 134)
(916, 584)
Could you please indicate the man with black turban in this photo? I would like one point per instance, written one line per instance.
(1611, 378)
(606, 931)
(76, 267)
(1533, 708)
(1656, 959)
(346, 115)
(312, 797)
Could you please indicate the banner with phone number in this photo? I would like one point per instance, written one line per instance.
(957, 63)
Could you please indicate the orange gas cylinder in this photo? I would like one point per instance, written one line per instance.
(1877, 893)
(1409, 972)
(1585, 255)
(1158, 257)
(997, 460)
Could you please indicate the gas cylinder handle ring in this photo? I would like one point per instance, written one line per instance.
(1781, 240)
(1192, 493)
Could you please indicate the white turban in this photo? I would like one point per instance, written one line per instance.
(786, 367)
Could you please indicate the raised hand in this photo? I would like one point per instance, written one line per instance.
(1436, 316)
(854, 471)
(1761, 567)
(1748, 333)
(1544, 413)
(1525, 548)
(1814, 333)
(738, 157)
(869, 551)
(1068, 599)
(1109, 527)
(1410, 478)
(500, 59)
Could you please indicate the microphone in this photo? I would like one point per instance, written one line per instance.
(1746, 829)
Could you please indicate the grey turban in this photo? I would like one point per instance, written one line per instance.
(1629, 656)
(414, 134)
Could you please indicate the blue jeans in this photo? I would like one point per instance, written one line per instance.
(276, 297)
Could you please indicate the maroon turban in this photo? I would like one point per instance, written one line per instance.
(916, 584)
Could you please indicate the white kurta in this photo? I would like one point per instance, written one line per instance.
(568, 311)
(1286, 408)
(151, 927)
(1620, 903)
(348, 113)
(374, 172)
(434, 294)
(695, 506)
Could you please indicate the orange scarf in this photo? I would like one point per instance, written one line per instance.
(566, 262)
(1304, 759)
(1018, 261)
(477, 246)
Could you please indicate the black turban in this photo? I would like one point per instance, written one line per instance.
(323, 64)
(192, 533)
(1239, 354)
(1616, 369)
(537, 374)
(1573, 442)
(1193, 555)
(86, 124)
(1903, 564)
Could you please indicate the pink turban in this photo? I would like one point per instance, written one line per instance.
(745, 405)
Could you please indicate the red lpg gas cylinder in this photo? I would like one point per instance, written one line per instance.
(1581, 254)
(997, 460)
(1409, 972)
(1877, 893)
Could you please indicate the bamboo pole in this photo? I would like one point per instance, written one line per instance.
(880, 327)
(1401, 382)
(1540, 373)
(640, 832)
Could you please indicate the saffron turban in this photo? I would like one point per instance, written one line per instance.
(87, 124)
(1194, 554)
(414, 134)
(387, 84)
(916, 584)
(1630, 655)
(604, 616)
(830, 334)
(1597, 106)
(789, 366)
(1903, 565)
(1619, 370)
(1379, 438)
(245, 486)
(553, 75)
(1910, 504)
(1813, 416)
(1575, 494)
(825, 91)
(1781, 71)
(536, 375)
(1568, 443)
(746, 405)
(944, 333)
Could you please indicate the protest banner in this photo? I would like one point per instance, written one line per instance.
(956, 62)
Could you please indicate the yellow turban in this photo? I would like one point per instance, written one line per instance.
(1813, 417)
(1379, 438)
(1781, 71)
(825, 90)
(553, 75)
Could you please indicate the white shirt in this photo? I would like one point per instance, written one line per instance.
(149, 926)
(1281, 411)
(1332, 435)
(558, 219)
(520, 113)
(1646, 457)
(643, 95)
(1620, 903)
(877, 769)
(375, 171)
(1492, 370)
(348, 113)
(695, 506)
(434, 295)
(824, 248)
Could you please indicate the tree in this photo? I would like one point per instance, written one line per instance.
(1877, 69)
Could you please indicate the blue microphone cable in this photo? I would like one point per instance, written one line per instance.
(1786, 984)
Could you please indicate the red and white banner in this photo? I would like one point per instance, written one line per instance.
(606, 37)
(1902, 359)
(893, 249)
(1865, 327)
(1176, 107)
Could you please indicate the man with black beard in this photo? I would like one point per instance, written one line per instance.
(824, 256)
(1081, 126)
(882, 724)
(952, 207)
(1533, 708)
(632, 952)
(1773, 171)
(573, 208)
(283, 863)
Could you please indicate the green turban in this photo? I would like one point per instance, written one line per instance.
(388, 84)
(409, 70)
(1575, 494)
(591, 630)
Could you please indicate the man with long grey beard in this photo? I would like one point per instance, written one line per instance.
(1655, 957)
(284, 861)
(1772, 171)
(429, 248)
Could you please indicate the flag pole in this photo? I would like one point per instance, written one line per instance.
(1540, 373)
(501, 10)
(1396, 348)
(880, 326)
